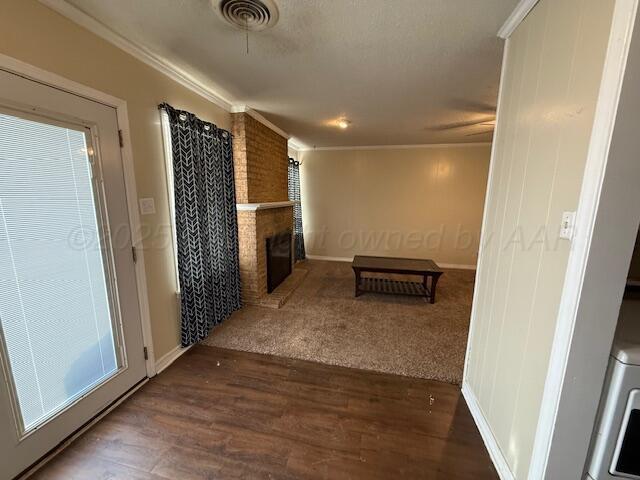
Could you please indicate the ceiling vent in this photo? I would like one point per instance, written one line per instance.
(251, 15)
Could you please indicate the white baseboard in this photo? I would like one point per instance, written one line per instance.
(329, 259)
(458, 266)
(490, 442)
(168, 358)
(350, 259)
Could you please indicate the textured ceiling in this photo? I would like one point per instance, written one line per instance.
(399, 70)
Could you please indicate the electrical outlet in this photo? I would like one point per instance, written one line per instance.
(568, 225)
(147, 206)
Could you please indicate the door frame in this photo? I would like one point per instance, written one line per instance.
(39, 75)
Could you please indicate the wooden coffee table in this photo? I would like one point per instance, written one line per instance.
(428, 269)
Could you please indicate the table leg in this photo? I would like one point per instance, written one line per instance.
(426, 286)
(357, 286)
(434, 282)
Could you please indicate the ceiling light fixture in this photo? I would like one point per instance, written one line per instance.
(341, 122)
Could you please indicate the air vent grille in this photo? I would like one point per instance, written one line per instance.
(254, 15)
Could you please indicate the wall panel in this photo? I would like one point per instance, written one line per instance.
(423, 202)
(551, 81)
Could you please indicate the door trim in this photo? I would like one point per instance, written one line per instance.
(39, 75)
(518, 14)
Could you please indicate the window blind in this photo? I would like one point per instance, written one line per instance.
(54, 302)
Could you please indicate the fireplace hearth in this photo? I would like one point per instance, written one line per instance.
(278, 259)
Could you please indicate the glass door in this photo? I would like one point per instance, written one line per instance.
(70, 341)
(54, 296)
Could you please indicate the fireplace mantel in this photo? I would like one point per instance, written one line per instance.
(252, 207)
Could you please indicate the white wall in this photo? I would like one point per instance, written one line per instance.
(550, 85)
(419, 202)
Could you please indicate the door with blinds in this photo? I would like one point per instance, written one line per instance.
(71, 337)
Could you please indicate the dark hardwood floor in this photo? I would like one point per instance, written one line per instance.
(222, 414)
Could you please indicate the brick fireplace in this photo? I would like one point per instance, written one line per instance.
(264, 209)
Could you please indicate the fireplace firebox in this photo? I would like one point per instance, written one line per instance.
(278, 259)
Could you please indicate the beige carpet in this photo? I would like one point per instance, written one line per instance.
(323, 322)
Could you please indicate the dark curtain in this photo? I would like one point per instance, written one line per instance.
(206, 223)
(294, 196)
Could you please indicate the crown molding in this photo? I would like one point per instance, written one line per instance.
(260, 118)
(141, 53)
(292, 143)
(297, 145)
(178, 75)
(396, 147)
(163, 66)
(517, 16)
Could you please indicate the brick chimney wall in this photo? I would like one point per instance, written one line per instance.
(260, 161)
(261, 170)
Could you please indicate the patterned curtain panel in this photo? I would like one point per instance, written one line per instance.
(206, 223)
(294, 196)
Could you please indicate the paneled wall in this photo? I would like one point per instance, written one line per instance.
(418, 202)
(554, 64)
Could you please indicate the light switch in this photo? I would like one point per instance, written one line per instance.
(568, 225)
(147, 206)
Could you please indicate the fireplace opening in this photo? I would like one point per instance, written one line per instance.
(278, 259)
